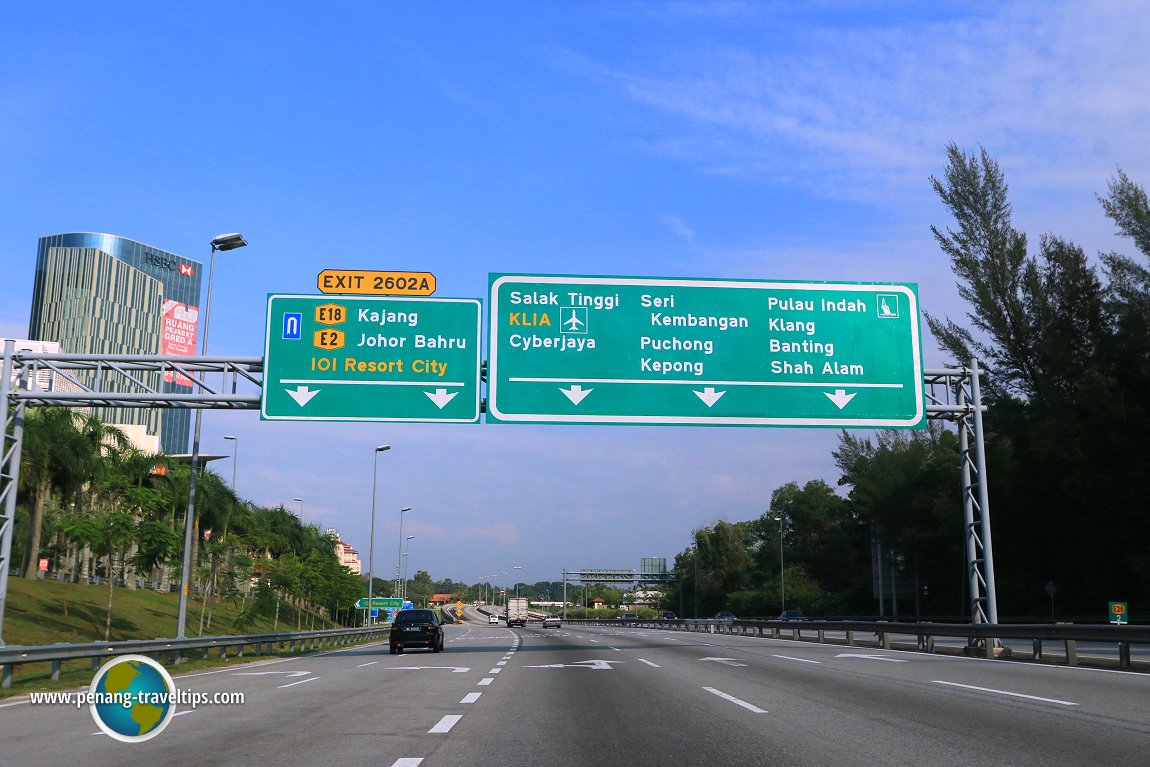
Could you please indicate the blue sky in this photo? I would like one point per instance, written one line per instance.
(716, 139)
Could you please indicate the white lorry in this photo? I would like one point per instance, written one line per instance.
(517, 611)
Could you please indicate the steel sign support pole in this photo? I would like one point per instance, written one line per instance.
(9, 473)
(983, 496)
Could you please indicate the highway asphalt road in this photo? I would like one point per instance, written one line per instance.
(605, 696)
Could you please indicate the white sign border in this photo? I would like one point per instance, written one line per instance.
(329, 298)
(858, 423)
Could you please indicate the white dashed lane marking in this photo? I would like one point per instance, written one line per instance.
(445, 724)
(735, 700)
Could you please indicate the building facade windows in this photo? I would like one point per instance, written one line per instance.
(104, 294)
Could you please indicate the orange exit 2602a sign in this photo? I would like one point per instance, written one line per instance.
(361, 282)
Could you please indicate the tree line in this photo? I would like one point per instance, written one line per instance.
(1064, 340)
(99, 508)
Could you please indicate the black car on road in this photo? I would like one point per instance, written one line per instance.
(416, 628)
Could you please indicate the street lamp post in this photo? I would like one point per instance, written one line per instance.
(221, 243)
(399, 554)
(371, 538)
(695, 579)
(235, 458)
(407, 545)
(782, 577)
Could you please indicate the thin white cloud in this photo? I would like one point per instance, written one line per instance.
(506, 534)
(856, 111)
(676, 225)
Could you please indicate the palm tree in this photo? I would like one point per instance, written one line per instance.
(97, 450)
(48, 460)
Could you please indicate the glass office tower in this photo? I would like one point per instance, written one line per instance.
(103, 294)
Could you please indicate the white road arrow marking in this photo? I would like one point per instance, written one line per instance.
(302, 395)
(709, 395)
(454, 669)
(598, 665)
(870, 657)
(576, 393)
(724, 661)
(265, 673)
(441, 397)
(840, 397)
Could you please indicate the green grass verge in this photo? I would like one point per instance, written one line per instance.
(50, 612)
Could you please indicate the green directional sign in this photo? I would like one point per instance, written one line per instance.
(638, 350)
(370, 358)
(380, 603)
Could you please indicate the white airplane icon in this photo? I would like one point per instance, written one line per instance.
(574, 321)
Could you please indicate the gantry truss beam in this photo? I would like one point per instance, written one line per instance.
(236, 383)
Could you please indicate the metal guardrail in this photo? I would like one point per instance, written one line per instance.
(13, 656)
(983, 639)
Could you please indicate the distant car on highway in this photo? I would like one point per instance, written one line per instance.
(725, 615)
(551, 621)
(791, 615)
(630, 617)
(415, 628)
(668, 615)
(493, 619)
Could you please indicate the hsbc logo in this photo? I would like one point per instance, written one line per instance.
(160, 262)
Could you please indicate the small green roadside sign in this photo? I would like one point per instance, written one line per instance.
(380, 603)
(1118, 613)
(641, 350)
(371, 358)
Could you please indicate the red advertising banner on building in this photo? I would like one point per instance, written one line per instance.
(181, 328)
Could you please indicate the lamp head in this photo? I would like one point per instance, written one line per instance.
(228, 241)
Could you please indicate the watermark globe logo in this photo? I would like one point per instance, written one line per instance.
(133, 698)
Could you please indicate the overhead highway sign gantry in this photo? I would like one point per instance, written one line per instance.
(641, 350)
